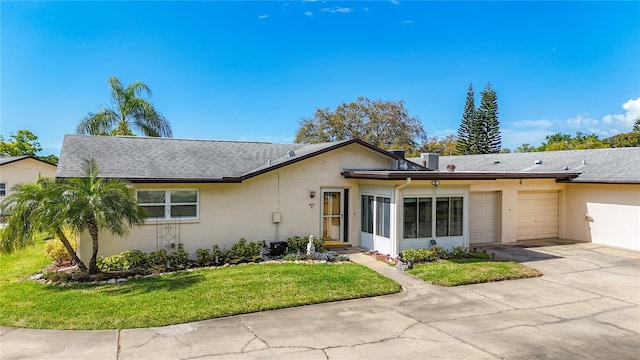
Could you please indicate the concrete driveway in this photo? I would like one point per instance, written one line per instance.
(586, 306)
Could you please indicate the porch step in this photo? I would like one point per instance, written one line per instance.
(335, 245)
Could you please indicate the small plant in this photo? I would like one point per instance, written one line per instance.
(179, 260)
(133, 259)
(459, 252)
(203, 257)
(159, 259)
(244, 252)
(218, 256)
(418, 255)
(56, 251)
(297, 244)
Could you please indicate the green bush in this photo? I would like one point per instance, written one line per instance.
(179, 260)
(440, 252)
(418, 255)
(159, 258)
(55, 250)
(203, 257)
(218, 257)
(109, 263)
(459, 252)
(244, 252)
(298, 244)
(133, 259)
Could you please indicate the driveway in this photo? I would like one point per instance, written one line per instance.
(586, 306)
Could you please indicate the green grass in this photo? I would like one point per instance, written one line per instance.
(471, 271)
(175, 298)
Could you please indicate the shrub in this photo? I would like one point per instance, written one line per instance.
(244, 252)
(179, 260)
(440, 252)
(459, 252)
(133, 259)
(109, 263)
(419, 255)
(218, 256)
(158, 258)
(56, 251)
(203, 257)
(298, 244)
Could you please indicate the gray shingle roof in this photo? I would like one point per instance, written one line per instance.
(618, 165)
(10, 159)
(170, 159)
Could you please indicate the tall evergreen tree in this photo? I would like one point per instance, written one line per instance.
(489, 138)
(466, 140)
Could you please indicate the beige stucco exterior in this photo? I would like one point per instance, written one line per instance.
(24, 170)
(229, 212)
(600, 213)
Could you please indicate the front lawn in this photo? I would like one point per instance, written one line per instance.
(471, 271)
(175, 298)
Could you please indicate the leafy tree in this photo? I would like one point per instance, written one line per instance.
(636, 125)
(630, 139)
(526, 148)
(466, 136)
(129, 112)
(386, 124)
(560, 141)
(479, 131)
(443, 146)
(24, 142)
(89, 203)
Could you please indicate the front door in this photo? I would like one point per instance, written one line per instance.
(333, 214)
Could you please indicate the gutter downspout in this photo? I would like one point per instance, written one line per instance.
(395, 242)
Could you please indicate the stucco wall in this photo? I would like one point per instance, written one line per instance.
(229, 212)
(604, 214)
(25, 170)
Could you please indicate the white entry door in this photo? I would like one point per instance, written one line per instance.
(483, 218)
(332, 214)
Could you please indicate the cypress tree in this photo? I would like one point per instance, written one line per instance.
(466, 140)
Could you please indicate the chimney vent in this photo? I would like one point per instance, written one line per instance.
(431, 161)
(397, 153)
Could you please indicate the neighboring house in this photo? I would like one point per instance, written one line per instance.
(15, 170)
(204, 192)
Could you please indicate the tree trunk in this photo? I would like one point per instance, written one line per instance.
(74, 256)
(93, 231)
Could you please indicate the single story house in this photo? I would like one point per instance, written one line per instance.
(205, 192)
(15, 170)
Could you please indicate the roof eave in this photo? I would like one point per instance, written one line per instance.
(433, 175)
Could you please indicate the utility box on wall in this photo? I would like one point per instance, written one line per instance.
(275, 217)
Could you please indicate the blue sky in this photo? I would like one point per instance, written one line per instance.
(251, 70)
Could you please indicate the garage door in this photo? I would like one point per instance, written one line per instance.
(537, 215)
(483, 218)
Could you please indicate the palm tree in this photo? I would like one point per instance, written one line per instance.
(88, 203)
(129, 112)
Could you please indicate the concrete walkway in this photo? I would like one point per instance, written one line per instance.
(586, 306)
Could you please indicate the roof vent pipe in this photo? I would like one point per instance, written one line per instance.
(431, 161)
(291, 153)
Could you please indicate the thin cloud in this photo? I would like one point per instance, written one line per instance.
(394, 2)
(407, 22)
(263, 16)
(337, 9)
(308, 13)
(533, 132)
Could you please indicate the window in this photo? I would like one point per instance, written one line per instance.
(449, 216)
(366, 222)
(417, 217)
(169, 204)
(3, 189)
(383, 216)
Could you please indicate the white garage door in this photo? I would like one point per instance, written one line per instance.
(537, 215)
(483, 218)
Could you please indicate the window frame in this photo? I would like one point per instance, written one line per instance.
(169, 205)
(441, 226)
(3, 189)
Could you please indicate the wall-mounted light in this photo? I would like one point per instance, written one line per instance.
(435, 183)
(312, 194)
